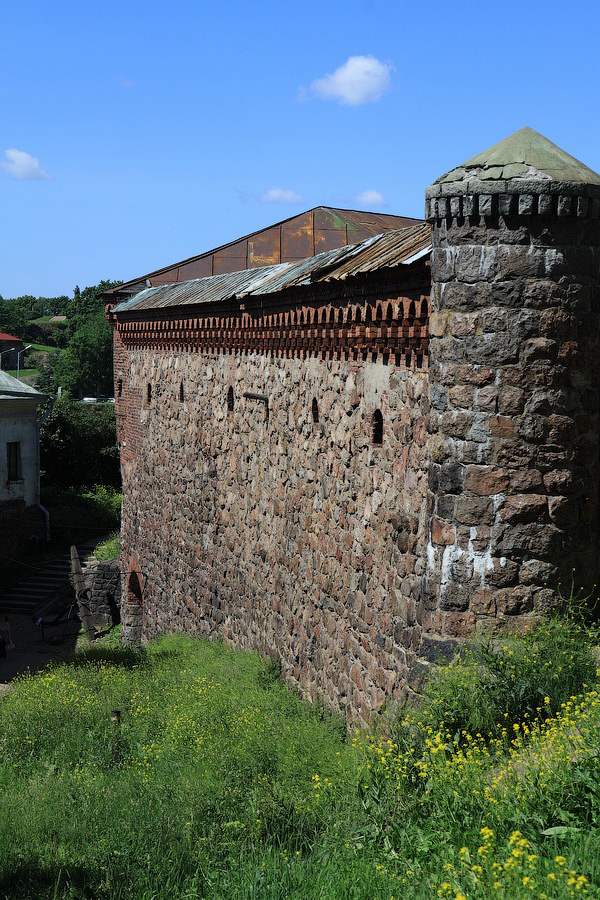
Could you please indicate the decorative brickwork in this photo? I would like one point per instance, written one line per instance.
(394, 327)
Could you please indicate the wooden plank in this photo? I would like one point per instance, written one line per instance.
(81, 596)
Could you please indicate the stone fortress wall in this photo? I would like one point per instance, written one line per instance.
(388, 484)
(283, 526)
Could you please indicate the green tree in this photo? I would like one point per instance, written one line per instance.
(78, 445)
(85, 366)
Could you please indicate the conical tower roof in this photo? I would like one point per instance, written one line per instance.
(525, 155)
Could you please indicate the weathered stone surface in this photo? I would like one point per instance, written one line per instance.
(486, 480)
(523, 508)
(516, 297)
(102, 583)
(276, 534)
(442, 532)
(474, 511)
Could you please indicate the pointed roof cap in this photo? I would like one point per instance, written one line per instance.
(525, 156)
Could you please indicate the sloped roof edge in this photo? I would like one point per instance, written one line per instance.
(374, 218)
(404, 246)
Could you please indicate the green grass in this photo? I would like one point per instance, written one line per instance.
(109, 548)
(21, 372)
(46, 348)
(221, 783)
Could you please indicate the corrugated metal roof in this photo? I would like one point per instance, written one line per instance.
(12, 388)
(393, 248)
(298, 237)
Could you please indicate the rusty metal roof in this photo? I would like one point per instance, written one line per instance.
(303, 235)
(388, 250)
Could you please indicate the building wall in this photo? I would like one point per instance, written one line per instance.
(279, 533)
(17, 424)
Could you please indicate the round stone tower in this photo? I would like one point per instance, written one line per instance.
(514, 472)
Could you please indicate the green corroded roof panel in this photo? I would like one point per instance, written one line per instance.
(526, 154)
(12, 387)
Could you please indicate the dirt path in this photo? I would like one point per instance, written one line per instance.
(31, 651)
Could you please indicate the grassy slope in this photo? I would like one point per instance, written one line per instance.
(221, 783)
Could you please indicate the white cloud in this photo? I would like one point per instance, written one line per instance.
(127, 82)
(361, 79)
(21, 165)
(280, 195)
(371, 198)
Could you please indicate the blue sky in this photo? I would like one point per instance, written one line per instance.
(134, 134)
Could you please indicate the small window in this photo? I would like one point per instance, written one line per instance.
(315, 411)
(13, 458)
(181, 395)
(120, 387)
(149, 393)
(377, 427)
(230, 400)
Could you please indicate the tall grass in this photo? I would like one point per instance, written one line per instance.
(220, 782)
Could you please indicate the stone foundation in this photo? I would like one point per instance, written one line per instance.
(102, 581)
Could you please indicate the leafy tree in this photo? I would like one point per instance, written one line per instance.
(13, 317)
(78, 445)
(86, 364)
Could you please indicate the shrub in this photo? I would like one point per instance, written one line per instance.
(523, 677)
(110, 548)
(105, 501)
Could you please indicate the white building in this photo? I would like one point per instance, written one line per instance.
(20, 514)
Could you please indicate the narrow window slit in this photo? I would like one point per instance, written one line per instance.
(377, 427)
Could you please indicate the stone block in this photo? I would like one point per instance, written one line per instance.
(485, 204)
(483, 602)
(523, 508)
(533, 428)
(563, 510)
(504, 572)
(486, 480)
(442, 532)
(502, 426)
(514, 601)
(561, 429)
(522, 480)
(511, 400)
(534, 571)
(437, 650)
(565, 205)
(560, 481)
(474, 511)
(461, 396)
(525, 204)
(459, 624)
(487, 399)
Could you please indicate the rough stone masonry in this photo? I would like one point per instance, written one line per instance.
(322, 470)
